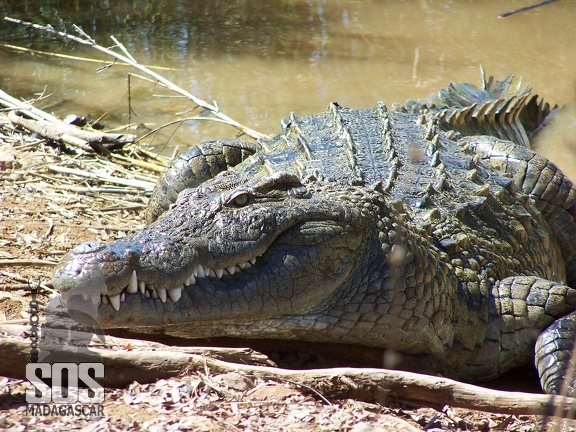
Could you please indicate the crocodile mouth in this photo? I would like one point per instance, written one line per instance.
(149, 290)
(288, 273)
(278, 264)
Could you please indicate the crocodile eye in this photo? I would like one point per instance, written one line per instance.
(240, 199)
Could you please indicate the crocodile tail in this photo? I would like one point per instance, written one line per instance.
(498, 108)
(493, 109)
(535, 115)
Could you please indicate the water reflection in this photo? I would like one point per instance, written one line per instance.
(180, 29)
(260, 60)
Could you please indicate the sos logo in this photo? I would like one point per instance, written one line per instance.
(71, 383)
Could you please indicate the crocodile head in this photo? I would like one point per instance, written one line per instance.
(229, 255)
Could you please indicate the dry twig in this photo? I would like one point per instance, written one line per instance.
(147, 186)
(33, 262)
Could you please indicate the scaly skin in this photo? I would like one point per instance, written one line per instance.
(371, 227)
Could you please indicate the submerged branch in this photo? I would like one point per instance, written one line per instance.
(127, 58)
(526, 8)
(71, 57)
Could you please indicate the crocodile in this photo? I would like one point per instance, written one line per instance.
(431, 229)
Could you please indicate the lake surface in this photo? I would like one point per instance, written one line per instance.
(261, 60)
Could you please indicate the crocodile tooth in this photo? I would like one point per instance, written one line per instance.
(133, 284)
(190, 281)
(115, 301)
(247, 265)
(147, 294)
(175, 293)
(105, 300)
(242, 265)
(200, 270)
(231, 269)
(142, 287)
(122, 297)
(162, 294)
(195, 272)
(154, 294)
(252, 260)
(219, 272)
(211, 273)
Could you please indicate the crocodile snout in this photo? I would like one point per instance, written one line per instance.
(95, 268)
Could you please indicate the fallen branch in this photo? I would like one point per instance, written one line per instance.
(147, 362)
(53, 128)
(127, 58)
(68, 134)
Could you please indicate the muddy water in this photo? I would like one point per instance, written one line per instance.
(261, 60)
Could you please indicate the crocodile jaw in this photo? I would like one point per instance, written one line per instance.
(151, 280)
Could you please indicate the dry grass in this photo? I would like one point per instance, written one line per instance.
(54, 197)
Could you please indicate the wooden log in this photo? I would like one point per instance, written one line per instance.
(147, 362)
(125, 360)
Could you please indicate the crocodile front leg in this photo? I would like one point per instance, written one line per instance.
(193, 167)
(553, 356)
(521, 307)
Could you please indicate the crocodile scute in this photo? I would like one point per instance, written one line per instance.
(429, 228)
